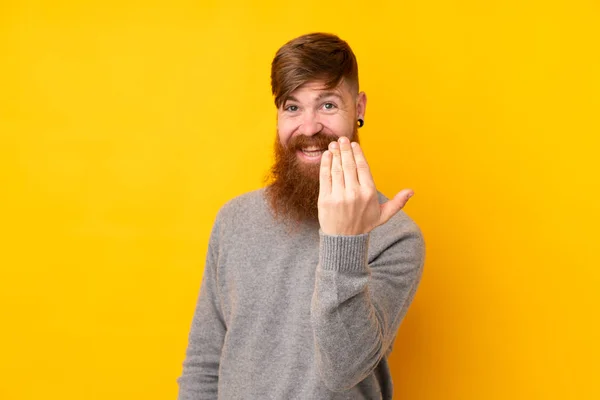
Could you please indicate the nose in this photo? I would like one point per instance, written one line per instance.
(310, 124)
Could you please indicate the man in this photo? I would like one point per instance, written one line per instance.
(307, 280)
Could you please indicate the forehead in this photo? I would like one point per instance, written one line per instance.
(315, 90)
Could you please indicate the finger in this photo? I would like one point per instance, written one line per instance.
(348, 163)
(391, 207)
(325, 173)
(362, 167)
(337, 174)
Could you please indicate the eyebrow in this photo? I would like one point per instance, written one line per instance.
(321, 96)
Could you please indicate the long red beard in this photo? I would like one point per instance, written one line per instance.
(294, 185)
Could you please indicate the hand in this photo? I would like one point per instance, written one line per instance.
(348, 203)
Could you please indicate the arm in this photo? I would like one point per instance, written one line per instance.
(358, 306)
(361, 295)
(200, 376)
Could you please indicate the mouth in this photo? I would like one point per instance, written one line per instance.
(312, 153)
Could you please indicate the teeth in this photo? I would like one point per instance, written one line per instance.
(312, 153)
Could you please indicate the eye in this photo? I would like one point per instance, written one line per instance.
(291, 107)
(329, 106)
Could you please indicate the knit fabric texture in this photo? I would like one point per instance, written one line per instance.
(295, 313)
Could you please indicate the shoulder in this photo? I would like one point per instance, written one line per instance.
(242, 211)
(242, 204)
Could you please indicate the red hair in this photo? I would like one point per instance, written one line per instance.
(312, 57)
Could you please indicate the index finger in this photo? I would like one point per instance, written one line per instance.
(325, 173)
(362, 167)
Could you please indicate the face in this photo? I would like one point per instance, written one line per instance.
(313, 112)
(308, 121)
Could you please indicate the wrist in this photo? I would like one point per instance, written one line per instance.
(343, 252)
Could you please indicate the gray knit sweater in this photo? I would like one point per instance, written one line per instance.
(298, 315)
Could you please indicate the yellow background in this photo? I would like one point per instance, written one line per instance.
(126, 125)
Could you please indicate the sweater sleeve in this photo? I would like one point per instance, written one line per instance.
(200, 375)
(360, 300)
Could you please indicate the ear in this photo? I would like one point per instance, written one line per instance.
(361, 105)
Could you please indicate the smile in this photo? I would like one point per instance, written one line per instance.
(311, 154)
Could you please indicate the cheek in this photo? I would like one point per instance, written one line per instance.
(284, 130)
(339, 126)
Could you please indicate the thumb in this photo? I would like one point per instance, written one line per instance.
(391, 207)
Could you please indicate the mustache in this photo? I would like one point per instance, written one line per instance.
(318, 140)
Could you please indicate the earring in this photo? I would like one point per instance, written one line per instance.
(361, 122)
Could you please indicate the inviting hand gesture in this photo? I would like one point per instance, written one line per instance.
(348, 203)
